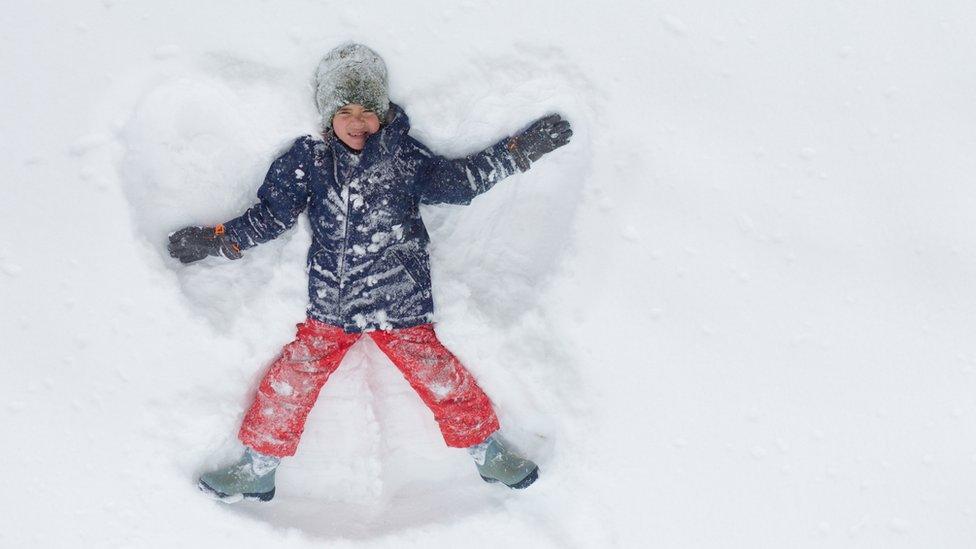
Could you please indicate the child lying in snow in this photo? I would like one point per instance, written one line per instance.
(368, 267)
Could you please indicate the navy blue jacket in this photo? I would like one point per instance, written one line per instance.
(368, 266)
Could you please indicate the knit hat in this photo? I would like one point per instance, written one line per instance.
(351, 73)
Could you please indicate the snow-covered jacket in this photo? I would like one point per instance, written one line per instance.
(368, 266)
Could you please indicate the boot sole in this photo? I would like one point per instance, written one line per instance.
(229, 498)
(524, 483)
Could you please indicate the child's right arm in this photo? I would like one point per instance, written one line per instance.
(283, 196)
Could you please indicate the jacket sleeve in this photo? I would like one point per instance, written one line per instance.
(458, 181)
(283, 196)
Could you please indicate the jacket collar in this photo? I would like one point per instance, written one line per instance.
(379, 145)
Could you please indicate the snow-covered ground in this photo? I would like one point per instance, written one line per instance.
(735, 311)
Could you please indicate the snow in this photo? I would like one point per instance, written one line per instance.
(735, 311)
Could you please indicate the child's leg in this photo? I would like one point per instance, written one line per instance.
(276, 419)
(461, 408)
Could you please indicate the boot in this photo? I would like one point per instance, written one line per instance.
(252, 477)
(497, 463)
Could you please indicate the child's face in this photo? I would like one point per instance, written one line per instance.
(353, 125)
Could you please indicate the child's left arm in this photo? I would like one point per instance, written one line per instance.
(458, 181)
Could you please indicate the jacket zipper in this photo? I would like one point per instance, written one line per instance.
(345, 232)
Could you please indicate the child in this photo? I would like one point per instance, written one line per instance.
(368, 267)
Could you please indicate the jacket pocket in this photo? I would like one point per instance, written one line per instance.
(416, 265)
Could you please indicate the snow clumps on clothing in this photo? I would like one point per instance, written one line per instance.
(351, 73)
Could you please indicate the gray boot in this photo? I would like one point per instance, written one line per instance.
(252, 477)
(497, 463)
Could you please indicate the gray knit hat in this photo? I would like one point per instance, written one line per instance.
(351, 73)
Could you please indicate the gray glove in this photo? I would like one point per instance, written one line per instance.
(542, 136)
(191, 244)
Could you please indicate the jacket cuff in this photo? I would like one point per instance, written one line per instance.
(235, 231)
(225, 244)
(520, 160)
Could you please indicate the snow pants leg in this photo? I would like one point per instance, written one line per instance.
(275, 422)
(276, 419)
(462, 410)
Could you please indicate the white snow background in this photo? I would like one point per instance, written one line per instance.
(736, 311)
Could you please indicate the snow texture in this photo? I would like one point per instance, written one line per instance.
(735, 311)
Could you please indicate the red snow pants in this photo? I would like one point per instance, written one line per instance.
(275, 421)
